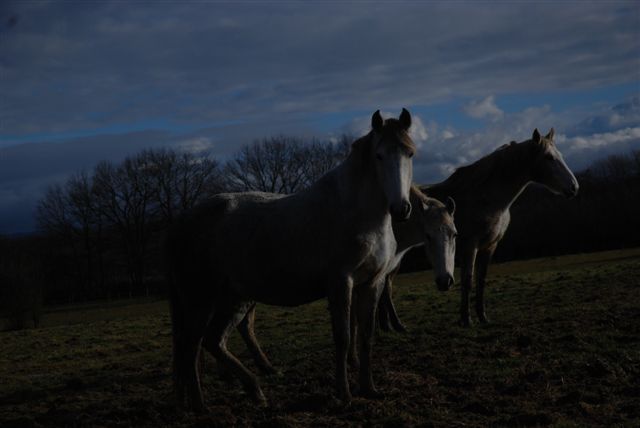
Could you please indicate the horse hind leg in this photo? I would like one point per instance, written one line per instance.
(247, 330)
(223, 322)
(191, 373)
(482, 266)
(467, 265)
(188, 328)
(186, 359)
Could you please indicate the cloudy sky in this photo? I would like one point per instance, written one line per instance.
(86, 81)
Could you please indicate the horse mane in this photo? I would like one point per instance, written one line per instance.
(419, 194)
(504, 162)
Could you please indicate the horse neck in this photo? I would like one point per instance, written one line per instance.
(499, 187)
(409, 233)
(360, 189)
(502, 189)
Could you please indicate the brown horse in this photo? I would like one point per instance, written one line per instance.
(330, 240)
(484, 191)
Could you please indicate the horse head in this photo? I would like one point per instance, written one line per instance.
(440, 239)
(390, 153)
(549, 168)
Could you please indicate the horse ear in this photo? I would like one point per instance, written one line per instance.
(550, 134)
(536, 135)
(377, 121)
(451, 205)
(405, 119)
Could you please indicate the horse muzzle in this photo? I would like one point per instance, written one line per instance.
(401, 211)
(572, 191)
(444, 282)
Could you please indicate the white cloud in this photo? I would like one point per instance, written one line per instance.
(452, 148)
(447, 134)
(418, 131)
(600, 140)
(485, 108)
(196, 145)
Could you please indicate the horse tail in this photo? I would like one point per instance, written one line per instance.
(177, 311)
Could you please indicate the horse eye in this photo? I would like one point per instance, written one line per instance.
(410, 154)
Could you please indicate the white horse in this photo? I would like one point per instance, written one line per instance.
(430, 224)
(331, 240)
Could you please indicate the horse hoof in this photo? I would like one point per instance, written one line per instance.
(484, 320)
(198, 408)
(344, 398)
(465, 322)
(400, 328)
(270, 370)
(354, 363)
(371, 394)
(258, 397)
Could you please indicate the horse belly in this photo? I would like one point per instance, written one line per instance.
(288, 290)
(494, 231)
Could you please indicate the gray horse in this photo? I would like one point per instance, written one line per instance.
(484, 191)
(430, 224)
(330, 240)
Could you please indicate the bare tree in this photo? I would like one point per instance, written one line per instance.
(180, 180)
(322, 157)
(124, 196)
(282, 164)
(52, 212)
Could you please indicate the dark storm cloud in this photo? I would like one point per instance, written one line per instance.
(214, 75)
(92, 64)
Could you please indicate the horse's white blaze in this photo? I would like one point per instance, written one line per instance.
(442, 250)
(559, 178)
(397, 173)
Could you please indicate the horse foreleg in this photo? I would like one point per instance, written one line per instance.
(482, 266)
(339, 296)
(223, 322)
(353, 359)
(368, 295)
(467, 261)
(246, 329)
(387, 294)
(383, 309)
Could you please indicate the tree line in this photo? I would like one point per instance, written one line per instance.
(100, 233)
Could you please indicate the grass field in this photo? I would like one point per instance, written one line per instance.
(563, 350)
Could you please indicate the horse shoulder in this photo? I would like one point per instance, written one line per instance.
(377, 253)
